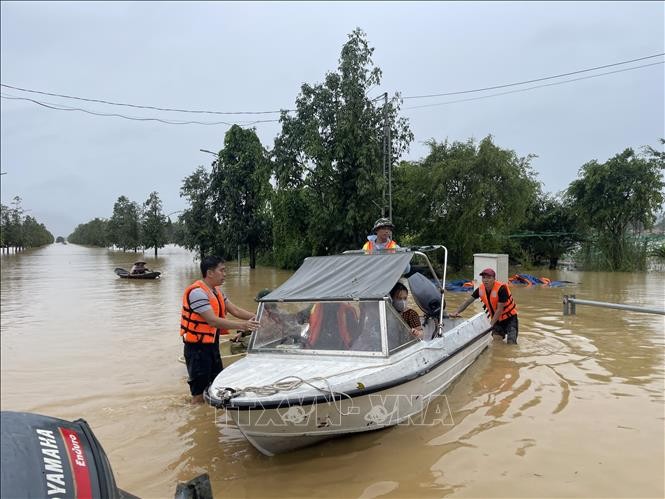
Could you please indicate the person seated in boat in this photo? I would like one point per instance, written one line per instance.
(398, 296)
(139, 268)
(332, 326)
(369, 328)
(381, 237)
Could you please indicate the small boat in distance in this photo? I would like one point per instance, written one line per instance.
(120, 272)
(333, 357)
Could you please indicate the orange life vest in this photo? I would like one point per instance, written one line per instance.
(316, 317)
(193, 327)
(492, 303)
(369, 245)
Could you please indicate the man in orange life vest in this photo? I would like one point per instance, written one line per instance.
(203, 319)
(381, 238)
(499, 304)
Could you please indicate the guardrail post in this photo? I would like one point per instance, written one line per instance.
(569, 305)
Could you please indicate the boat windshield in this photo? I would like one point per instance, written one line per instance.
(324, 326)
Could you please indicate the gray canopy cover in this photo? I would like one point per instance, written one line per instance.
(343, 277)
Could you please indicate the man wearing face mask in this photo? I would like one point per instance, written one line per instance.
(398, 295)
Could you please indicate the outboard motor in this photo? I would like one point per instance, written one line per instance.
(49, 457)
(426, 295)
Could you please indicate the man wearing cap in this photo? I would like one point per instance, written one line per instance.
(139, 268)
(381, 238)
(499, 304)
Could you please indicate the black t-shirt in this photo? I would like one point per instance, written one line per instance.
(503, 293)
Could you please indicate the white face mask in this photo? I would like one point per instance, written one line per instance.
(400, 305)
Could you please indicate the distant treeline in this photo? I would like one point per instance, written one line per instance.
(19, 231)
(132, 226)
(323, 183)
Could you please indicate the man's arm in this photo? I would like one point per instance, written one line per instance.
(463, 306)
(219, 323)
(497, 314)
(503, 298)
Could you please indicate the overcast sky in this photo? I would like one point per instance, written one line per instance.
(69, 167)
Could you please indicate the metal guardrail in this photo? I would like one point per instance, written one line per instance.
(570, 302)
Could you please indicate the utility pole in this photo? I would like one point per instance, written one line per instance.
(385, 152)
(387, 162)
(389, 148)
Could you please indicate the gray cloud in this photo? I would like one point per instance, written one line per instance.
(70, 167)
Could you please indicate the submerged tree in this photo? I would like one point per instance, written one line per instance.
(153, 223)
(198, 221)
(611, 198)
(124, 225)
(330, 151)
(469, 197)
(239, 187)
(549, 231)
(93, 233)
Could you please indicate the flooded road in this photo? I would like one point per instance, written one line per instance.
(575, 410)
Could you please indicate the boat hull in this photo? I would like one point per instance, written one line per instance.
(293, 424)
(123, 274)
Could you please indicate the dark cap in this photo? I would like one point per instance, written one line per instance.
(488, 272)
(382, 222)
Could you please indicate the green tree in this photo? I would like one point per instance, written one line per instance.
(331, 150)
(153, 223)
(614, 197)
(93, 233)
(198, 220)
(12, 225)
(239, 187)
(468, 197)
(4, 226)
(549, 231)
(35, 234)
(124, 225)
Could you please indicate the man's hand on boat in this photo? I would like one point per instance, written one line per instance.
(250, 324)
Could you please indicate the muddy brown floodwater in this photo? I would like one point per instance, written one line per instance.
(575, 410)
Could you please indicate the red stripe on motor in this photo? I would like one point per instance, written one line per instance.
(78, 463)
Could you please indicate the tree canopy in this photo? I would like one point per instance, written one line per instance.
(625, 192)
(153, 223)
(239, 190)
(330, 152)
(466, 195)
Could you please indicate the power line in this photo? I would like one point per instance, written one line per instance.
(62, 107)
(133, 118)
(530, 88)
(201, 111)
(495, 87)
(154, 108)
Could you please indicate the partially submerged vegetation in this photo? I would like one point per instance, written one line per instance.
(19, 231)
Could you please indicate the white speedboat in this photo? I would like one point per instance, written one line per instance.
(333, 357)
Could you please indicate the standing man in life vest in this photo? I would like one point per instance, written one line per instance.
(203, 319)
(499, 304)
(381, 237)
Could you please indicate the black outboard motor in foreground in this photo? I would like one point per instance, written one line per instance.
(49, 457)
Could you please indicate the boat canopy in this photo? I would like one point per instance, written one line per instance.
(356, 276)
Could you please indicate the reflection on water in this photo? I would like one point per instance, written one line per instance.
(576, 409)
